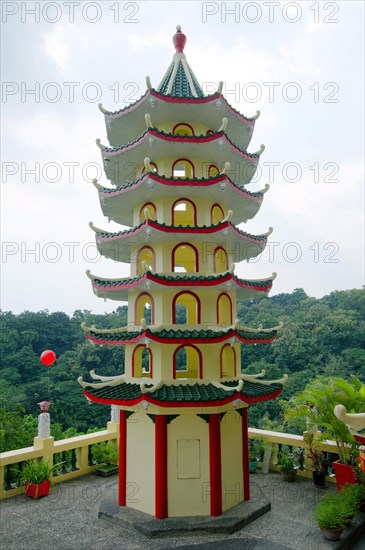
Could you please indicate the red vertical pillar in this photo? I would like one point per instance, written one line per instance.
(246, 471)
(122, 491)
(161, 466)
(215, 464)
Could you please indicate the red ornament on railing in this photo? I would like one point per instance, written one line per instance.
(48, 357)
(179, 40)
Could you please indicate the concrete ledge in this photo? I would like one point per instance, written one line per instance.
(229, 522)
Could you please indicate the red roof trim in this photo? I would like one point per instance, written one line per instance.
(180, 182)
(105, 236)
(151, 277)
(174, 341)
(115, 151)
(174, 404)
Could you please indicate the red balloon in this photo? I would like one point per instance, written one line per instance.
(48, 357)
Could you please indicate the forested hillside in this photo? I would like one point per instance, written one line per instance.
(320, 336)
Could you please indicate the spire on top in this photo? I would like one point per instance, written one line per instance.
(179, 40)
(179, 79)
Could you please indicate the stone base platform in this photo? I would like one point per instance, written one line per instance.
(229, 522)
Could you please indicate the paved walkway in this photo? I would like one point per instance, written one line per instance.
(67, 520)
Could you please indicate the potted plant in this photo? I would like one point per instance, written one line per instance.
(37, 477)
(286, 463)
(319, 462)
(106, 455)
(331, 515)
(255, 453)
(323, 394)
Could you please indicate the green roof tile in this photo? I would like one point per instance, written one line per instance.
(182, 393)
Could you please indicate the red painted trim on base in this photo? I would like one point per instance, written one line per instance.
(173, 404)
(161, 467)
(245, 460)
(215, 465)
(122, 485)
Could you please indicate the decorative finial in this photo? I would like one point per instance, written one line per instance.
(179, 40)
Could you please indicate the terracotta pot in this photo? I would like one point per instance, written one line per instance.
(344, 474)
(37, 490)
(331, 534)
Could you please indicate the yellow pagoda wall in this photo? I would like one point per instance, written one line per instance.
(198, 127)
(164, 208)
(141, 463)
(165, 165)
(162, 300)
(163, 256)
(231, 456)
(163, 361)
(188, 466)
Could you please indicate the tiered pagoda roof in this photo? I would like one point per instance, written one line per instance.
(137, 139)
(117, 289)
(117, 203)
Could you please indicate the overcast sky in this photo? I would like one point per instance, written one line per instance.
(299, 63)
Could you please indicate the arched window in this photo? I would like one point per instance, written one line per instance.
(184, 213)
(228, 362)
(144, 307)
(183, 129)
(154, 168)
(209, 132)
(224, 310)
(142, 362)
(146, 254)
(213, 170)
(184, 257)
(191, 305)
(151, 211)
(183, 168)
(216, 214)
(220, 260)
(187, 362)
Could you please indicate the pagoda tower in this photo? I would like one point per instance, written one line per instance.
(178, 165)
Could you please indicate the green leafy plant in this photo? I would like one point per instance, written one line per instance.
(37, 471)
(323, 394)
(329, 515)
(313, 451)
(105, 452)
(286, 460)
(256, 449)
(337, 510)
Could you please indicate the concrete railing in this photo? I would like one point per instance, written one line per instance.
(275, 440)
(74, 452)
(77, 450)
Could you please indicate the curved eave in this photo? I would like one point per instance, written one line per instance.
(190, 337)
(215, 148)
(119, 290)
(272, 393)
(123, 246)
(122, 126)
(118, 204)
